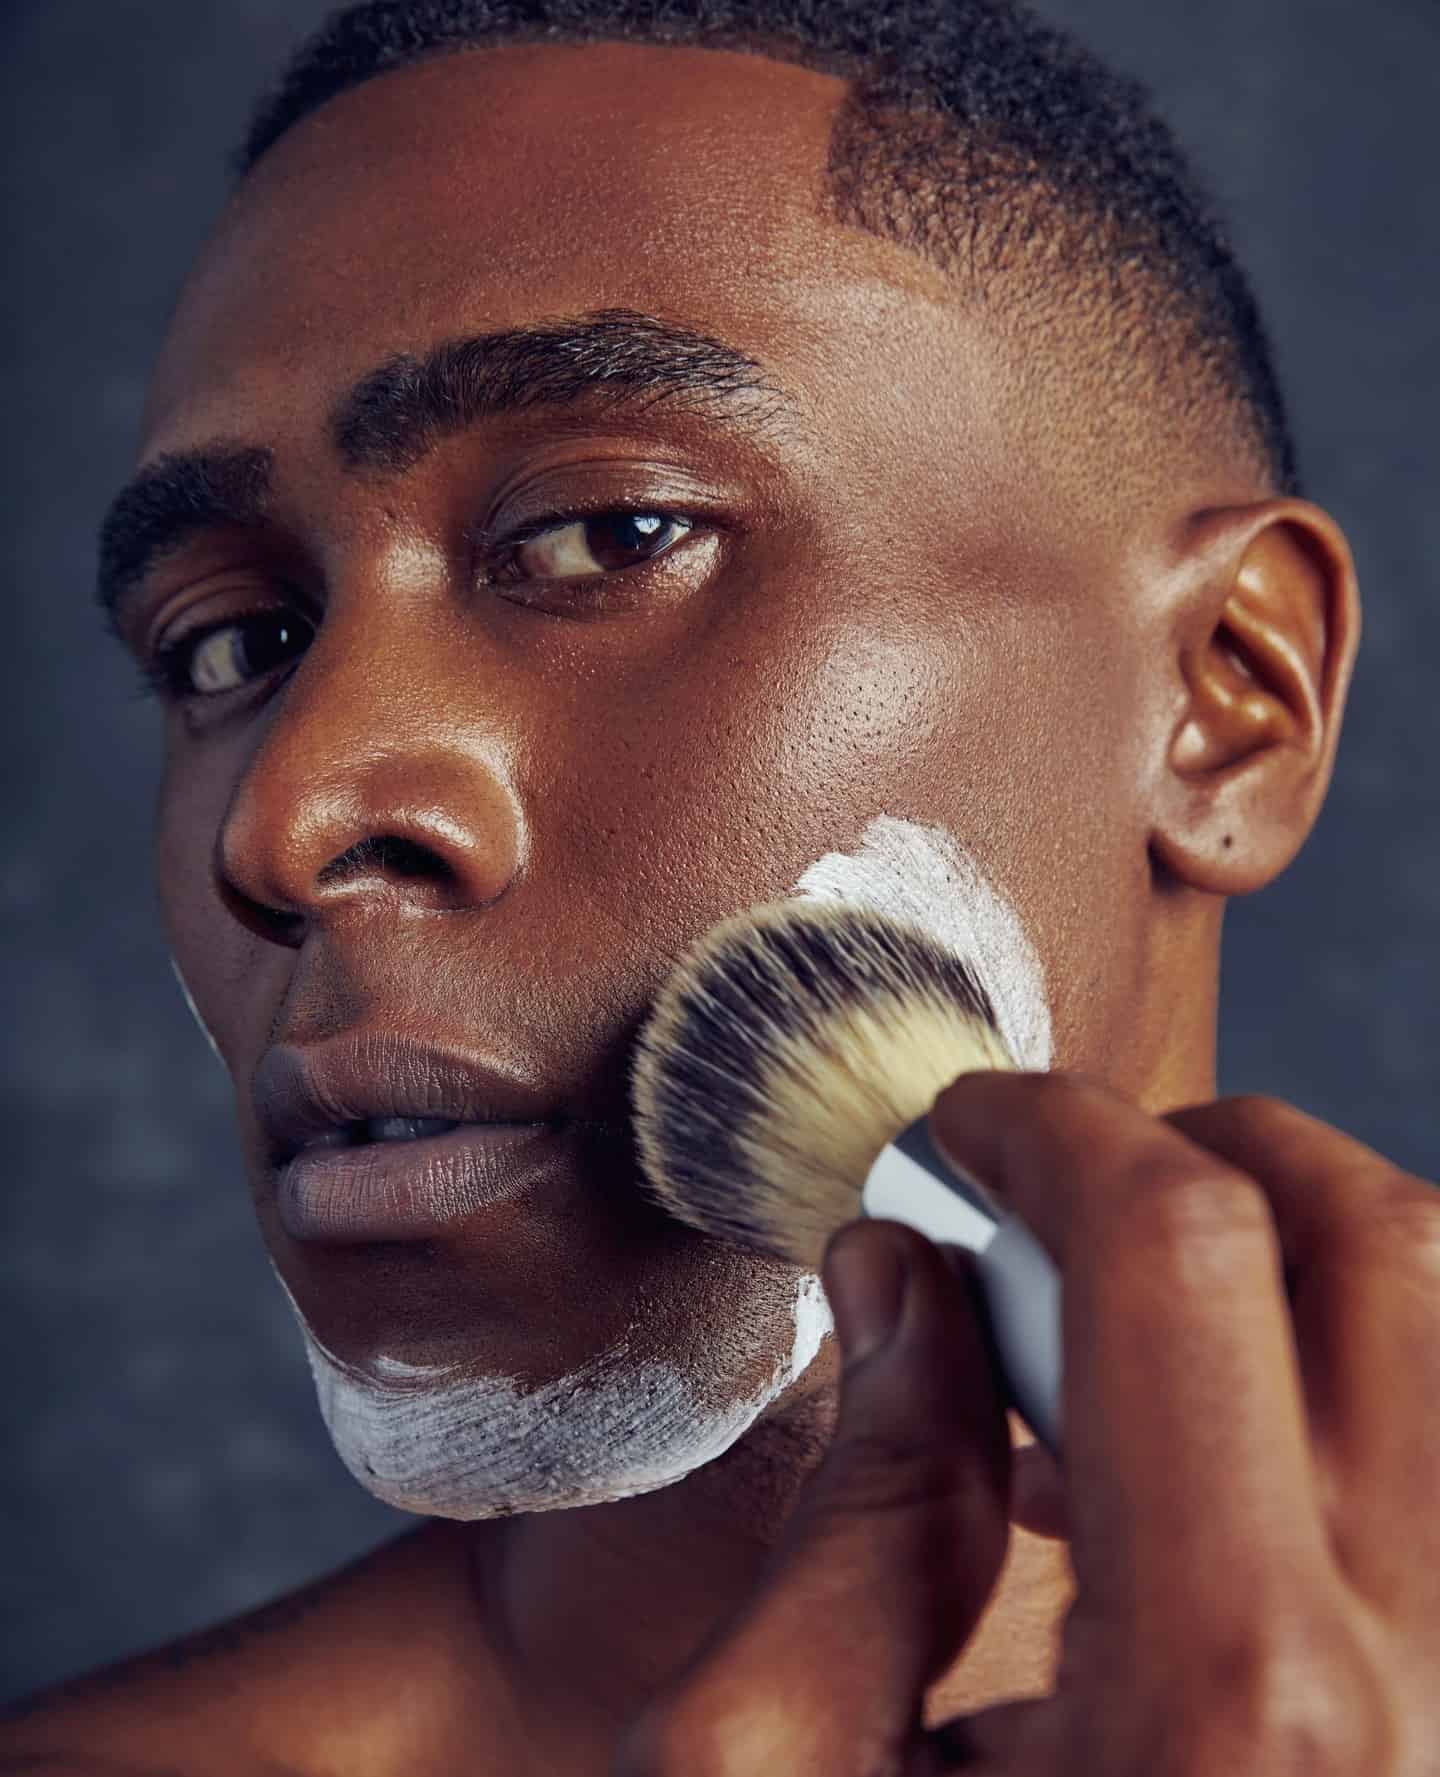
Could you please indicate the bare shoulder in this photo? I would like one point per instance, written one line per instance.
(279, 1691)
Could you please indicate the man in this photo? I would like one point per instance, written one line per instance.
(588, 479)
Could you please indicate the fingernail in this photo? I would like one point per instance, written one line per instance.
(864, 1278)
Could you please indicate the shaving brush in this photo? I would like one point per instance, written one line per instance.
(781, 1086)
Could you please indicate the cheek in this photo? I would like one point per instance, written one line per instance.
(211, 952)
(861, 722)
(186, 822)
(768, 749)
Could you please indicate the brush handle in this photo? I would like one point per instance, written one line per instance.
(911, 1182)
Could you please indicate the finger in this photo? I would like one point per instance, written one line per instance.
(891, 1552)
(1187, 1460)
(1361, 1240)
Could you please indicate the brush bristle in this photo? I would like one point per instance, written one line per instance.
(789, 1045)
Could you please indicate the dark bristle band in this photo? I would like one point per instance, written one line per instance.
(757, 992)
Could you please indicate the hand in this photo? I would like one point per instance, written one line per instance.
(1251, 1471)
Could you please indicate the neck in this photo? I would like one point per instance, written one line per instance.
(589, 1614)
(1158, 1044)
(592, 1612)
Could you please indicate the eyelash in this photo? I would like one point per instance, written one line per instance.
(165, 675)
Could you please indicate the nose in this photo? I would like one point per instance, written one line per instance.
(383, 775)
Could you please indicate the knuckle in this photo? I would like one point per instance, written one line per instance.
(1262, 1110)
(1297, 1704)
(1407, 1217)
(1383, 1217)
(1172, 1200)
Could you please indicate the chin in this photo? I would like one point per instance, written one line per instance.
(448, 1441)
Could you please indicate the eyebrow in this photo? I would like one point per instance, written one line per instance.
(393, 416)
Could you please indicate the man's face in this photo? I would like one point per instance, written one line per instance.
(602, 741)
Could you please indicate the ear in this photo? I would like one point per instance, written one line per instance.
(1265, 637)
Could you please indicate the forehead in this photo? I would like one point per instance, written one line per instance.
(500, 187)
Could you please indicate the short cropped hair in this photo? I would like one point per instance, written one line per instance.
(973, 133)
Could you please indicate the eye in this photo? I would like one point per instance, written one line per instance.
(566, 546)
(222, 657)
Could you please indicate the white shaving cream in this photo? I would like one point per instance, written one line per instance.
(921, 874)
(205, 1030)
(441, 1441)
(444, 1442)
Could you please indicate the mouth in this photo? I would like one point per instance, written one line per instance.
(413, 1186)
(375, 1136)
(362, 1131)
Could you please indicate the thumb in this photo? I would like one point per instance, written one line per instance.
(894, 1545)
(914, 1493)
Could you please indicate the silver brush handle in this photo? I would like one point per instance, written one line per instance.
(911, 1183)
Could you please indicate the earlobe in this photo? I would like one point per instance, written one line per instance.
(1265, 650)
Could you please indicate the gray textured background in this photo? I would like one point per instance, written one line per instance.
(164, 1464)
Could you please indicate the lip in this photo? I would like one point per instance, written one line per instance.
(304, 1092)
(411, 1190)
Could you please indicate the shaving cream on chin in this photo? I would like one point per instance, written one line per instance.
(447, 1443)
(441, 1442)
(437, 1440)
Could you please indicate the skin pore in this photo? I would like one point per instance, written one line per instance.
(902, 597)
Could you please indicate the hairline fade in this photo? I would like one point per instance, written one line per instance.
(978, 136)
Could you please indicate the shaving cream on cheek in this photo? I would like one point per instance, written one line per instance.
(442, 1442)
(921, 873)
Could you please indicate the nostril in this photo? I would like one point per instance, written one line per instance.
(384, 851)
(275, 924)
